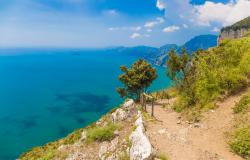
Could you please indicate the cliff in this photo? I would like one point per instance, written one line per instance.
(237, 30)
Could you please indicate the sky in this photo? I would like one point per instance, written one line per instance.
(109, 23)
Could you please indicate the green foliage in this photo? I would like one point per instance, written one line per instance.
(245, 23)
(223, 70)
(73, 137)
(177, 65)
(240, 142)
(243, 105)
(161, 156)
(123, 156)
(104, 133)
(49, 151)
(136, 79)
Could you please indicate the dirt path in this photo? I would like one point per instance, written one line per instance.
(204, 141)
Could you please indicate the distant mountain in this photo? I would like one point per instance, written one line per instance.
(158, 56)
(200, 42)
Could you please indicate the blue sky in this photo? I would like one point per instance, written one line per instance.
(106, 23)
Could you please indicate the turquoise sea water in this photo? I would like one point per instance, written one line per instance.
(47, 93)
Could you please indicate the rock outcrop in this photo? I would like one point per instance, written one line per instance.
(237, 30)
(141, 148)
(119, 115)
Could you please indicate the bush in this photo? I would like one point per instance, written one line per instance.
(104, 133)
(222, 70)
(243, 105)
(240, 142)
(161, 156)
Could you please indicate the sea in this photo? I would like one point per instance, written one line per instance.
(46, 94)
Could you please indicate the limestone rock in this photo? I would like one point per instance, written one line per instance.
(119, 115)
(107, 150)
(77, 156)
(130, 103)
(141, 148)
(83, 136)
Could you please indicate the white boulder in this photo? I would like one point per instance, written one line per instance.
(128, 104)
(141, 148)
(119, 115)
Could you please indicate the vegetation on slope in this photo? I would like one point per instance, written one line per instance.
(240, 136)
(206, 75)
(49, 151)
(245, 23)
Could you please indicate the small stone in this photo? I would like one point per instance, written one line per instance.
(162, 131)
(83, 136)
(179, 122)
(116, 133)
(197, 125)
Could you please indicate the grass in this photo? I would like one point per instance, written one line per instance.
(49, 151)
(243, 105)
(161, 156)
(123, 156)
(240, 136)
(105, 133)
(165, 94)
(240, 142)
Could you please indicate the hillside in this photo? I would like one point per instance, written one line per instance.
(245, 23)
(210, 128)
(236, 30)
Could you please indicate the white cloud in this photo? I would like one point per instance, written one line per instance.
(225, 14)
(215, 29)
(160, 5)
(136, 28)
(149, 30)
(152, 24)
(133, 28)
(147, 35)
(212, 12)
(111, 12)
(171, 29)
(185, 26)
(208, 13)
(135, 35)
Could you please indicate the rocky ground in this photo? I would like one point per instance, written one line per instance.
(181, 140)
(130, 141)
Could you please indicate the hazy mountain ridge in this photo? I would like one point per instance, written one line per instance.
(158, 56)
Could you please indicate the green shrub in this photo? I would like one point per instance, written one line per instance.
(104, 133)
(73, 137)
(123, 156)
(243, 105)
(240, 142)
(222, 70)
(161, 156)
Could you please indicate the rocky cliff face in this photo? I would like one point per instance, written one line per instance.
(232, 34)
(237, 30)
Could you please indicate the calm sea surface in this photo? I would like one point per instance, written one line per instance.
(47, 93)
